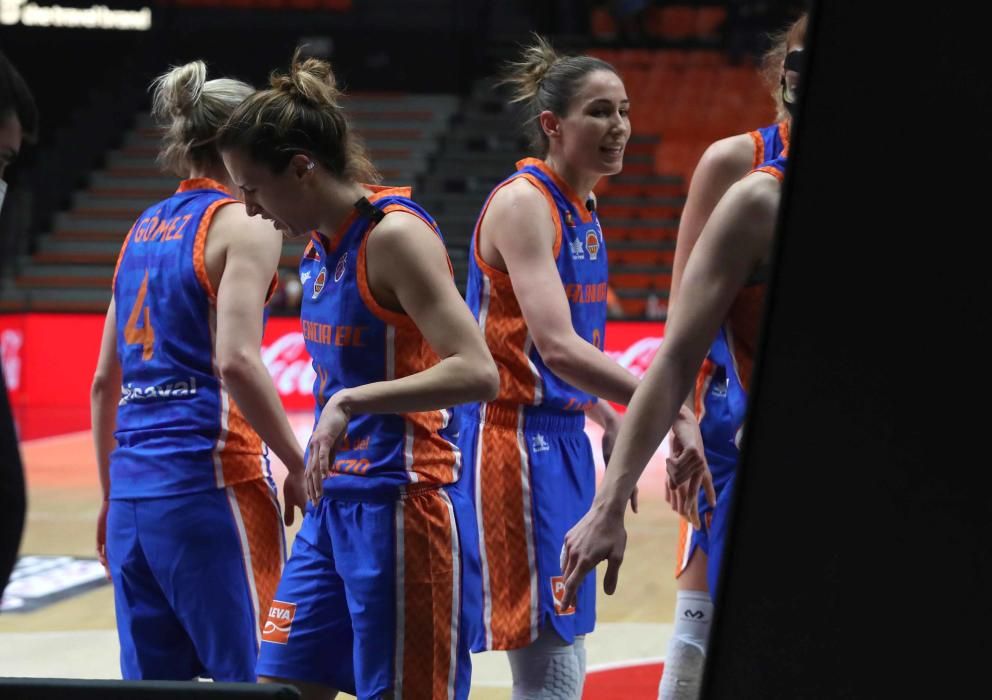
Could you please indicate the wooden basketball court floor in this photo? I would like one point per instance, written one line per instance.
(76, 637)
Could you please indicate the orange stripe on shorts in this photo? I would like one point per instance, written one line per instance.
(429, 583)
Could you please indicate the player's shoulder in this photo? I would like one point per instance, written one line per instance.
(231, 213)
(232, 222)
(519, 192)
(518, 201)
(732, 155)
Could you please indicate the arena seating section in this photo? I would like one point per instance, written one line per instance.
(452, 150)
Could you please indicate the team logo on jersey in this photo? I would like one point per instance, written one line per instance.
(592, 244)
(539, 443)
(279, 622)
(305, 276)
(558, 593)
(578, 252)
(340, 268)
(318, 284)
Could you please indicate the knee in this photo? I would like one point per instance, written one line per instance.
(547, 668)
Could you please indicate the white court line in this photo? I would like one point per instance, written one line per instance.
(625, 664)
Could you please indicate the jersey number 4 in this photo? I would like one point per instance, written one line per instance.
(144, 336)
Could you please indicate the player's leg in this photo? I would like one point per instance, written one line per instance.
(546, 669)
(198, 549)
(154, 645)
(307, 638)
(686, 653)
(401, 565)
(562, 481)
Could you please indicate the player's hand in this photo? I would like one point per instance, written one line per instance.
(323, 445)
(687, 471)
(599, 535)
(685, 496)
(294, 493)
(101, 538)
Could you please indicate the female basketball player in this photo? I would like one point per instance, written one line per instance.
(723, 284)
(734, 245)
(371, 599)
(194, 542)
(538, 286)
(710, 466)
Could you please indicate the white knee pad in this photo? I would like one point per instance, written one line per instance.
(547, 669)
(684, 662)
(579, 647)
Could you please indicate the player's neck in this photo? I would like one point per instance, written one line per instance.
(217, 173)
(339, 203)
(581, 183)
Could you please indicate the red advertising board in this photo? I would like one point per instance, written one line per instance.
(48, 363)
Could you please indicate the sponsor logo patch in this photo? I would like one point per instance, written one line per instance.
(172, 390)
(279, 622)
(558, 592)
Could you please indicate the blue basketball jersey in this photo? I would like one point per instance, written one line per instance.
(722, 418)
(775, 166)
(354, 341)
(741, 328)
(769, 142)
(178, 430)
(531, 469)
(580, 254)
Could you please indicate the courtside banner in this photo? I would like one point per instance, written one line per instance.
(49, 359)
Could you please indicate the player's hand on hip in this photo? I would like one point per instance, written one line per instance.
(331, 427)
